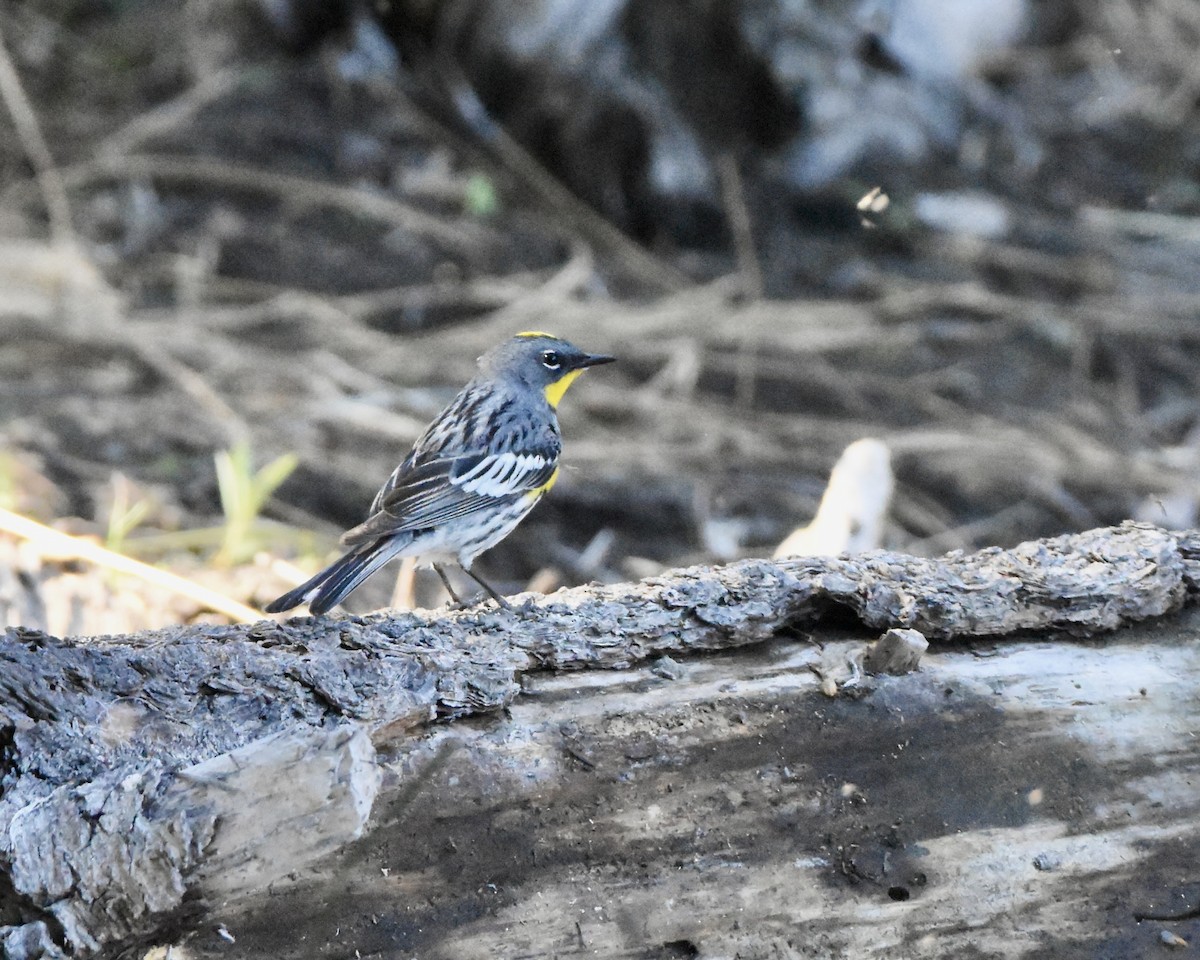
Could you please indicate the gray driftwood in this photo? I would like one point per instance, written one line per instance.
(176, 783)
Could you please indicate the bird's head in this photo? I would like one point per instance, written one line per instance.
(541, 361)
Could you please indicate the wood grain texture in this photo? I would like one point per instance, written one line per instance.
(1029, 799)
(117, 750)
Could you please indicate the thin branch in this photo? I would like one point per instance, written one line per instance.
(285, 187)
(29, 131)
(737, 214)
(193, 385)
(581, 219)
(171, 115)
(59, 544)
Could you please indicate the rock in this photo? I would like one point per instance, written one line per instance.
(897, 652)
(667, 668)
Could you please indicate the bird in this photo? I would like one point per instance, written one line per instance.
(474, 474)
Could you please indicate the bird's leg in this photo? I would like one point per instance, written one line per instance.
(488, 587)
(437, 568)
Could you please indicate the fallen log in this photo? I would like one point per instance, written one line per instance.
(162, 784)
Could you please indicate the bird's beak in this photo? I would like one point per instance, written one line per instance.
(593, 360)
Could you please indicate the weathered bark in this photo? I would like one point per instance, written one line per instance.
(149, 775)
(1025, 800)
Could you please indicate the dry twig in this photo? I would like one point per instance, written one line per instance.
(57, 544)
(286, 188)
(50, 182)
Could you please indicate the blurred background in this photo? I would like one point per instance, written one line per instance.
(248, 248)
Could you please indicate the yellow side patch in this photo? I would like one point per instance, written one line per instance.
(536, 333)
(555, 390)
(545, 487)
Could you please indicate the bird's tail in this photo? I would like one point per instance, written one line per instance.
(340, 579)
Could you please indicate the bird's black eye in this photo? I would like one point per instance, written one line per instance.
(550, 359)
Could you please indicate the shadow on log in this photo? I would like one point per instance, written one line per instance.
(158, 785)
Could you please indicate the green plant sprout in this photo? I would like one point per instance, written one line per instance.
(479, 197)
(124, 514)
(244, 492)
(309, 546)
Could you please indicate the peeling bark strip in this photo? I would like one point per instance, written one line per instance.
(141, 771)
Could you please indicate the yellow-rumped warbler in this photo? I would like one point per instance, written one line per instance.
(476, 471)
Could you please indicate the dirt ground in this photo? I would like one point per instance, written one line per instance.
(259, 246)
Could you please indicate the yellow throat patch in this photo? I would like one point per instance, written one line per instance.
(554, 391)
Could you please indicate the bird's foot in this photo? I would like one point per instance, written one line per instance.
(478, 600)
(458, 603)
(504, 604)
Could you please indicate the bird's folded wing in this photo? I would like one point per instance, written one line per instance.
(423, 494)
